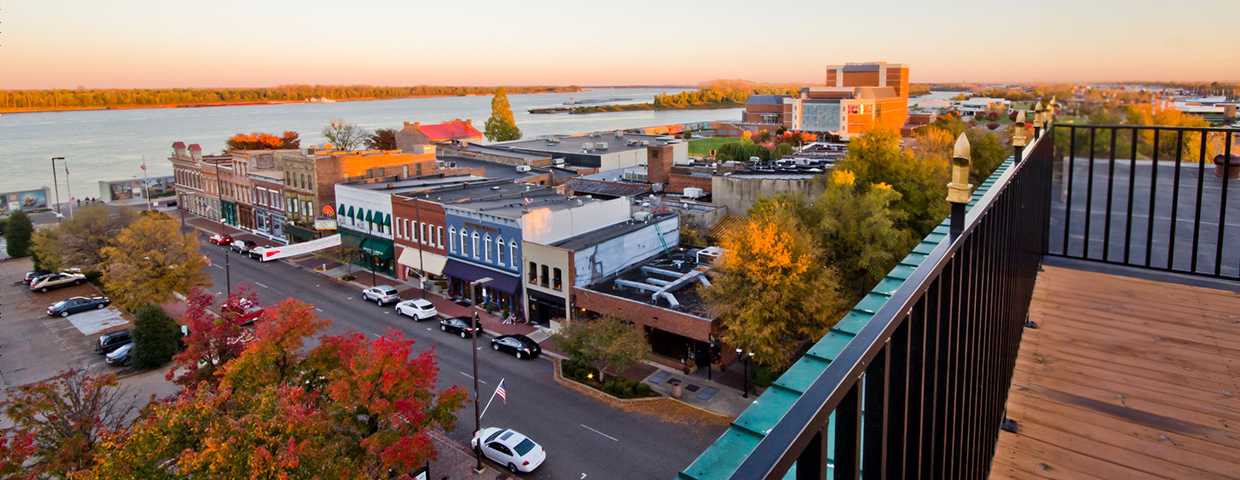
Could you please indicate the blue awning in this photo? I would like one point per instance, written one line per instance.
(503, 282)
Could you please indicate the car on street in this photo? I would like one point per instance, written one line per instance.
(30, 276)
(242, 246)
(419, 309)
(73, 305)
(120, 357)
(461, 325)
(382, 294)
(519, 345)
(56, 280)
(112, 341)
(509, 448)
(222, 240)
(245, 310)
(258, 253)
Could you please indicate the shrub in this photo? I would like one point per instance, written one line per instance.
(18, 234)
(93, 276)
(762, 376)
(642, 390)
(155, 337)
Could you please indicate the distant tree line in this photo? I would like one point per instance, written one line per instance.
(104, 98)
(723, 91)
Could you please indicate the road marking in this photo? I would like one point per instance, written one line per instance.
(583, 476)
(600, 433)
(259, 284)
(316, 286)
(318, 309)
(428, 329)
(350, 298)
(217, 266)
(471, 376)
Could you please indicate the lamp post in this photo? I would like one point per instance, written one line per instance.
(739, 353)
(56, 185)
(219, 194)
(959, 190)
(473, 305)
(421, 236)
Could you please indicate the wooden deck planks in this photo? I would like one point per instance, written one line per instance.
(1127, 379)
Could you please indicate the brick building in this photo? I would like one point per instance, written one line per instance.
(415, 134)
(857, 98)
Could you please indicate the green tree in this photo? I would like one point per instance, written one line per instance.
(781, 150)
(156, 337)
(150, 260)
(986, 153)
(771, 289)
(603, 343)
(46, 250)
(18, 233)
(501, 127)
(93, 227)
(345, 136)
(877, 158)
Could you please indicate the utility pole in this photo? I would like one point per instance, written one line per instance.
(473, 305)
(219, 193)
(56, 185)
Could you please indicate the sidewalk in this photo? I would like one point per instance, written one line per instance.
(721, 394)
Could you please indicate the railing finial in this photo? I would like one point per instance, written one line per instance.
(960, 190)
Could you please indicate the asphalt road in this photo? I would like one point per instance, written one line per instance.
(584, 438)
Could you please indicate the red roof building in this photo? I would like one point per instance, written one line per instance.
(415, 134)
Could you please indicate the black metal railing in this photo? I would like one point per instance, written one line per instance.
(920, 391)
(1147, 197)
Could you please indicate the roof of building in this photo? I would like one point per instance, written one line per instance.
(610, 189)
(277, 175)
(574, 144)
(767, 99)
(397, 185)
(507, 152)
(616, 175)
(518, 206)
(690, 301)
(483, 189)
(448, 130)
(493, 169)
(595, 237)
(727, 224)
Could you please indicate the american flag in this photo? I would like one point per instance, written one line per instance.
(500, 391)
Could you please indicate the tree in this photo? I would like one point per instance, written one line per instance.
(501, 127)
(149, 260)
(382, 139)
(345, 136)
(156, 337)
(770, 289)
(263, 141)
(603, 343)
(781, 150)
(213, 341)
(79, 241)
(986, 154)
(877, 158)
(766, 136)
(57, 424)
(46, 250)
(18, 233)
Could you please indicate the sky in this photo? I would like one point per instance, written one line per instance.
(262, 43)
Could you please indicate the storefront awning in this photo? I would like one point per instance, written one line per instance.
(410, 257)
(299, 233)
(503, 282)
(369, 245)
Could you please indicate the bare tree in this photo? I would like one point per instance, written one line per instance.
(345, 136)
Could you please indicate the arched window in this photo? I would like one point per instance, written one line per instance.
(452, 239)
(464, 238)
(474, 247)
(499, 251)
(488, 248)
(512, 254)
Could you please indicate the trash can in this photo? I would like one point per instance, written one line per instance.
(1229, 164)
(676, 392)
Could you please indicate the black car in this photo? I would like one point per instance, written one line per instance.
(64, 308)
(461, 325)
(35, 274)
(519, 345)
(112, 341)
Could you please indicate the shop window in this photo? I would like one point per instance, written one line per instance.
(544, 276)
(488, 248)
(452, 238)
(440, 230)
(512, 253)
(499, 251)
(555, 280)
(533, 272)
(474, 246)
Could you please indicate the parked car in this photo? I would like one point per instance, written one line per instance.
(112, 341)
(245, 310)
(461, 325)
(419, 309)
(73, 305)
(242, 246)
(30, 276)
(510, 448)
(222, 239)
(258, 253)
(381, 294)
(519, 345)
(56, 280)
(120, 357)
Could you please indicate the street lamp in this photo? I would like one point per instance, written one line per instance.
(56, 186)
(219, 193)
(473, 305)
(746, 392)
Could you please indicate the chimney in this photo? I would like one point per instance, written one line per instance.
(195, 152)
(416, 125)
(179, 149)
(658, 163)
(407, 124)
(469, 121)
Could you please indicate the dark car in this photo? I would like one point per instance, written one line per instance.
(242, 246)
(519, 345)
(73, 305)
(30, 276)
(461, 325)
(121, 357)
(112, 341)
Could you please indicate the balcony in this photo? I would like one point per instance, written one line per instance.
(1082, 323)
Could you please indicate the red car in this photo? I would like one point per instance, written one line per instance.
(246, 311)
(221, 240)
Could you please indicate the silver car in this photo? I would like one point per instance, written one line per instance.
(56, 280)
(382, 294)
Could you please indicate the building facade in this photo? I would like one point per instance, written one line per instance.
(421, 236)
(268, 203)
(416, 134)
(364, 220)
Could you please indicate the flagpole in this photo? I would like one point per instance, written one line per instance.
(484, 409)
(145, 182)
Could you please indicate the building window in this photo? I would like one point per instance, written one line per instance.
(464, 239)
(544, 276)
(533, 272)
(512, 253)
(474, 246)
(418, 167)
(381, 171)
(422, 232)
(440, 237)
(487, 241)
(452, 238)
(499, 251)
(555, 280)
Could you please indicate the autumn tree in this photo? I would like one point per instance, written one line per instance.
(263, 141)
(770, 289)
(79, 241)
(213, 340)
(57, 424)
(382, 139)
(47, 251)
(603, 343)
(149, 260)
(18, 233)
(877, 158)
(345, 136)
(501, 127)
(156, 337)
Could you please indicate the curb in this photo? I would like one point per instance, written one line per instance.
(598, 394)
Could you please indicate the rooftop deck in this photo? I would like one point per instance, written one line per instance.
(1124, 378)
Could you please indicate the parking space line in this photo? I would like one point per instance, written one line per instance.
(259, 284)
(600, 433)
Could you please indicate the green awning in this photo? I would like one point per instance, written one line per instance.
(341, 210)
(369, 218)
(352, 214)
(387, 221)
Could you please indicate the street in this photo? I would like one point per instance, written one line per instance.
(584, 438)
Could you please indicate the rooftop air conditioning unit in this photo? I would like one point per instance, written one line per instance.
(601, 145)
(557, 161)
(587, 146)
(631, 142)
(523, 168)
(641, 216)
(644, 143)
(693, 192)
(619, 134)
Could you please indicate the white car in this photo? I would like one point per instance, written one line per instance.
(419, 309)
(507, 447)
(382, 294)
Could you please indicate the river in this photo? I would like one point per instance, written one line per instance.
(110, 144)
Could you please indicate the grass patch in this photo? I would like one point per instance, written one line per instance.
(703, 146)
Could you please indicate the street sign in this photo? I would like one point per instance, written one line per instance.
(329, 211)
(324, 223)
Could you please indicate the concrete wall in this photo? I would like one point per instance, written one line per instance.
(594, 263)
(380, 202)
(738, 194)
(553, 258)
(549, 226)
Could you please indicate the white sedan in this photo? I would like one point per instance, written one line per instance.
(507, 447)
(419, 309)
